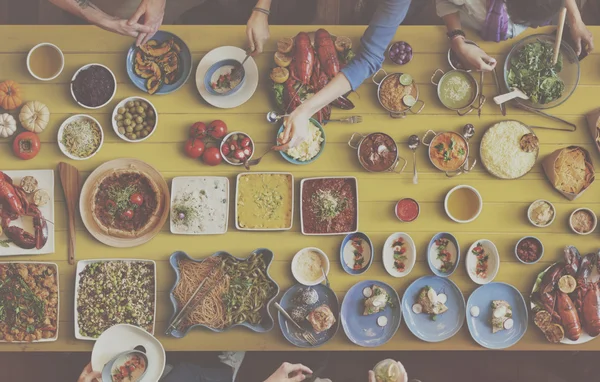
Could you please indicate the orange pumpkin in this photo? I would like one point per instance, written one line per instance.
(10, 95)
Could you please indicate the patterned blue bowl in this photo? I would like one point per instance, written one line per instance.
(210, 73)
(349, 269)
(295, 161)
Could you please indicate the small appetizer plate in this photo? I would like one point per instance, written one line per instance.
(492, 264)
(399, 245)
(446, 324)
(480, 326)
(348, 253)
(437, 254)
(296, 266)
(364, 330)
(124, 337)
(288, 302)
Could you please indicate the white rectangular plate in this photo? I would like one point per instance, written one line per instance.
(45, 180)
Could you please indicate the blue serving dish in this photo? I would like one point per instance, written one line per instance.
(363, 330)
(211, 71)
(186, 60)
(266, 323)
(431, 254)
(326, 296)
(345, 265)
(480, 327)
(447, 324)
(295, 161)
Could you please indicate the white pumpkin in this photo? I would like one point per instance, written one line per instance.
(34, 116)
(8, 125)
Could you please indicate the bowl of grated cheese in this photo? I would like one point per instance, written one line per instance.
(80, 137)
(308, 150)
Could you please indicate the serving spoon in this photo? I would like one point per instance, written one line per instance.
(253, 162)
(413, 143)
(516, 93)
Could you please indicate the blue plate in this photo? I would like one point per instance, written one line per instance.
(431, 254)
(326, 296)
(186, 60)
(265, 325)
(295, 161)
(363, 330)
(211, 71)
(480, 327)
(347, 267)
(447, 324)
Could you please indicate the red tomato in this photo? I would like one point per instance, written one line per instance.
(136, 199)
(217, 129)
(194, 148)
(212, 156)
(26, 145)
(127, 215)
(198, 130)
(110, 204)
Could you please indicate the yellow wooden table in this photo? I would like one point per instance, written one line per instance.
(503, 219)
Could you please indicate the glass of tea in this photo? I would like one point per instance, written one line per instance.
(45, 61)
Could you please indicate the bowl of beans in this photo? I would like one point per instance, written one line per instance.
(134, 119)
(529, 250)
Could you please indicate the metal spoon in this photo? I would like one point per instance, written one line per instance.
(238, 72)
(253, 162)
(326, 278)
(468, 133)
(413, 143)
(273, 117)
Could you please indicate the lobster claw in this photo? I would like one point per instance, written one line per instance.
(343, 103)
(573, 260)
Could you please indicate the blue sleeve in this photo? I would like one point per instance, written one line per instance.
(388, 16)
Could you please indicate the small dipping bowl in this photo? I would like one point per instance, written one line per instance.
(84, 67)
(479, 201)
(226, 138)
(407, 210)
(530, 210)
(119, 360)
(538, 241)
(215, 71)
(61, 130)
(594, 221)
(295, 265)
(122, 104)
(62, 61)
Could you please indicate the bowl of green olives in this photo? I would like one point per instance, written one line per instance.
(134, 119)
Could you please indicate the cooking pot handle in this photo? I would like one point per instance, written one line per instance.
(397, 163)
(420, 109)
(454, 173)
(351, 141)
(375, 75)
(460, 112)
(398, 115)
(424, 140)
(466, 167)
(437, 71)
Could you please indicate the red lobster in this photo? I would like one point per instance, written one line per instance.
(330, 64)
(303, 59)
(588, 297)
(14, 204)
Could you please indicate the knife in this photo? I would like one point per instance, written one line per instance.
(502, 106)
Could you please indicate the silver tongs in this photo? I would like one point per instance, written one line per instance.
(550, 116)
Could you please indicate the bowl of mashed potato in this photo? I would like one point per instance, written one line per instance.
(310, 149)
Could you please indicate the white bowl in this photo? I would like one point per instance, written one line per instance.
(529, 213)
(295, 263)
(541, 246)
(493, 262)
(388, 254)
(478, 197)
(225, 138)
(122, 104)
(593, 225)
(85, 67)
(62, 61)
(62, 128)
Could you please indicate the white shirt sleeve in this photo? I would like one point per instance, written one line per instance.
(445, 7)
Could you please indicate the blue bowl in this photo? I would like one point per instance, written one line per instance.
(347, 267)
(295, 161)
(186, 61)
(452, 240)
(326, 296)
(480, 327)
(211, 71)
(265, 325)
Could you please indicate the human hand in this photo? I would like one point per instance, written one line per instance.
(581, 35)
(295, 130)
(123, 27)
(289, 373)
(150, 13)
(473, 56)
(89, 375)
(257, 30)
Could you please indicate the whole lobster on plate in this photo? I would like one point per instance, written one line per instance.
(14, 204)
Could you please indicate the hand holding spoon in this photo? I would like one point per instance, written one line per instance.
(413, 143)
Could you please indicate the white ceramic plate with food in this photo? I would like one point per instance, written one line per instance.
(490, 261)
(124, 337)
(399, 254)
(61, 132)
(199, 205)
(45, 179)
(244, 93)
(80, 267)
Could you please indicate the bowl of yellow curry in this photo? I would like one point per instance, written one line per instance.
(448, 151)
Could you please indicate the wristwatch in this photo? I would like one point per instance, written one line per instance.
(456, 32)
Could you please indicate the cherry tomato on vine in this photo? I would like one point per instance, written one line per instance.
(217, 129)
(212, 156)
(194, 148)
(198, 130)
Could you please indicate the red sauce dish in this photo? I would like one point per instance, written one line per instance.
(407, 210)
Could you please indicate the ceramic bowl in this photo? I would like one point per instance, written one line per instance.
(122, 104)
(120, 359)
(594, 223)
(432, 254)
(296, 161)
(388, 254)
(418, 210)
(86, 67)
(493, 262)
(217, 69)
(529, 210)
(539, 242)
(479, 209)
(225, 138)
(324, 262)
(61, 130)
(62, 62)
(347, 254)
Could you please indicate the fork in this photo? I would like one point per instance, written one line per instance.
(352, 119)
(306, 335)
(238, 72)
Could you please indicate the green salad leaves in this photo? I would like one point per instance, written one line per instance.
(531, 70)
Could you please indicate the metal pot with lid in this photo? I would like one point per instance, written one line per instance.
(377, 152)
(407, 99)
(449, 151)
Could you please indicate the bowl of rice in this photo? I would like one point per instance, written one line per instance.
(80, 137)
(509, 150)
(310, 149)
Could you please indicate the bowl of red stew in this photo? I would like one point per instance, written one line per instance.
(377, 152)
(529, 250)
(407, 210)
(219, 80)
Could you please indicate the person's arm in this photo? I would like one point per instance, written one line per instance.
(579, 32)
(86, 10)
(151, 13)
(257, 28)
(290, 373)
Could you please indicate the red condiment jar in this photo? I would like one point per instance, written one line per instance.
(407, 210)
